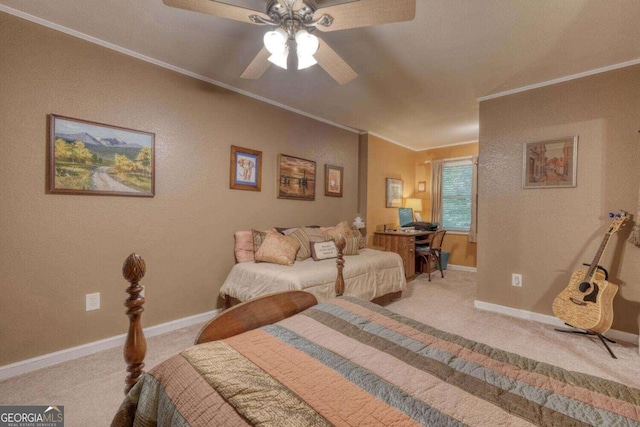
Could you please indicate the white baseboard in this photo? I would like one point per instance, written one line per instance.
(549, 320)
(462, 267)
(28, 365)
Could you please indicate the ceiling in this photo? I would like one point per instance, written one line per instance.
(418, 82)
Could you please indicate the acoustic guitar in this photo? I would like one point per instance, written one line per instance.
(587, 302)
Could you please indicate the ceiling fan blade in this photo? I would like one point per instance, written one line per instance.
(366, 12)
(258, 66)
(215, 8)
(331, 62)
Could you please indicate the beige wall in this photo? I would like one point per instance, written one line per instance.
(545, 234)
(462, 252)
(385, 160)
(56, 248)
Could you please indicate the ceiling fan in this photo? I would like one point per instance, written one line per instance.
(296, 20)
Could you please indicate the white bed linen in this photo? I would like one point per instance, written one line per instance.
(367, 275)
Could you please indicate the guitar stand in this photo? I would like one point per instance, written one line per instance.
(603, 339)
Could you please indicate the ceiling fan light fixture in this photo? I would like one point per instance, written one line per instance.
(306, 61)
(307, 44)
(280, 59)
(276, 41)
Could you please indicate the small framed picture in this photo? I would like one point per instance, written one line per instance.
(333, 180)
(422, 186)
(246, 169)
(393, 193)
(550, 163)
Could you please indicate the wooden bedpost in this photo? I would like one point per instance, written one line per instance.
(340, 244)
(135, 347)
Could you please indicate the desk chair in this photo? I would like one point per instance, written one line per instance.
(432, 251)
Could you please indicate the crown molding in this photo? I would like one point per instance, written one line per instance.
(388, 140)
(473, 141)
(561, 80)
(162, 64)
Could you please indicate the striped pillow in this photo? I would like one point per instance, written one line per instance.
(351, 248)
(302, 238)
(315, 234)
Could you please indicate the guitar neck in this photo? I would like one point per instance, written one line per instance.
(596, 260)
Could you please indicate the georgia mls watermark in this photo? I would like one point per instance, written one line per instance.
(31, 416)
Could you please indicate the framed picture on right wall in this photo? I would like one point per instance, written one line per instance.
(393, 192)
(550, 163)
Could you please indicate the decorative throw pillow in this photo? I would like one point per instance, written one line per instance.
(323, 250)
(342, 229)
(326, 229)
(363, 241)
(277, 249)
(315, 234)
(258, 238)
(284, 230)
(244, 246)
(351, 247)
(301, 237)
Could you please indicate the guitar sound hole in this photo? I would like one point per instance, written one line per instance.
(584, 286)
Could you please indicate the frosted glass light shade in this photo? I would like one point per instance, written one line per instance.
(307, 44)
(280, 59)
(276, 41)
(305, 61)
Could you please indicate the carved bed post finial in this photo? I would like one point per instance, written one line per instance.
(340, 244)
(135, 347)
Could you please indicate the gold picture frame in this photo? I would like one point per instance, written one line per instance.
(333, 180)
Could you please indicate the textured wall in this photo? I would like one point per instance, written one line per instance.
(462, 252)
(385, 160)
(545, 234)
(57, 248)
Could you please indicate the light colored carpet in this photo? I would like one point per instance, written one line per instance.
(90, 388)
(447, 304)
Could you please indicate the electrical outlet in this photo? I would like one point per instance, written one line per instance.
(93, 301)
(516, 280)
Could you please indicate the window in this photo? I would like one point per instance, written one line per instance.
(457, 179)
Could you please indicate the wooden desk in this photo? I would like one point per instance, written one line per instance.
(404, 244)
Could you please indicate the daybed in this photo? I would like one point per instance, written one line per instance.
(369, 274)
(350, 362)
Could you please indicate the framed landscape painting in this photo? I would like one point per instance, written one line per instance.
(296, 178)
(551, 163)
(333, 180)
(246, 169)
(99, 159)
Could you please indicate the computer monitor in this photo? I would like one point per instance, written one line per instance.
(406, 217)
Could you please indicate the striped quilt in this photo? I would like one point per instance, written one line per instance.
(348, 362)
